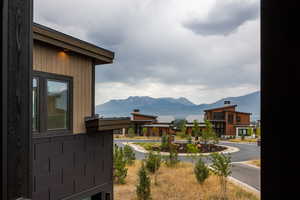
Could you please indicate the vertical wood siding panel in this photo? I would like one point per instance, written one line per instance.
(48, 59)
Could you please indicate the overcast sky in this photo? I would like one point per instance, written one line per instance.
(203, 50)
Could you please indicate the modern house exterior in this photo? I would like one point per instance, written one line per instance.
(162, 125)
(138, 120)
(227, 121)
(190, 123)
(72, 147)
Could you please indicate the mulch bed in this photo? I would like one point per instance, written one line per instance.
(182, 148)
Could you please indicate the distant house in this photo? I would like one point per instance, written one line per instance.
(227, 121)
(190, 123)
(162, 125)
(138, 120)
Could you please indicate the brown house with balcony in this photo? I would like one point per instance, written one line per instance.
(227, 121)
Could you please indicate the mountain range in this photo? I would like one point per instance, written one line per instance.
(177, 107)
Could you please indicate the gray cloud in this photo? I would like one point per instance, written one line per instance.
(225, 17)
(151, 45)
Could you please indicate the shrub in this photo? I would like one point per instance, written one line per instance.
(164, 142)
(192, 150)
(189, 139)
(182, 135)
(201, 171)
(153, 162)
(119, 161)
(131, 133)
(129, 154)
(222, 168)
(143, 190)
(172, 159)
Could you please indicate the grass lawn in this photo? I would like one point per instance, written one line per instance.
(178, 184)
(146, 145)
(245, 140)
(254, 162)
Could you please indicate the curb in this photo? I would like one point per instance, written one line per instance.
(247, 164)
(245, 186)
(142, 150)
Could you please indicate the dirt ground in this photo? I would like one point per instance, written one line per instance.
(178, 184)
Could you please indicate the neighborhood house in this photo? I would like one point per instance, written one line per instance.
(69, 162)
(227, 121)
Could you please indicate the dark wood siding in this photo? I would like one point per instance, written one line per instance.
(72, 166)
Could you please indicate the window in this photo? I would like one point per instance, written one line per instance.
(238, 119)
(57, 105)
(52, 103)
(230, 119)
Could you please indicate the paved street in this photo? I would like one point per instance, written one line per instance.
(242, 172)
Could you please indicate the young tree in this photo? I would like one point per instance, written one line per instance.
(164, 142)
(143, 189)
(131, 132)
(144, 130)
(192, 151)
(129, 155)
(119, 161)
(196, 129)
(201, 171)
(258, 133)
(250, 131)
(153, 162)
(221, 166)
(208, 134)
(172, 159)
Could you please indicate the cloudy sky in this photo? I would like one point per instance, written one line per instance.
(202, 50)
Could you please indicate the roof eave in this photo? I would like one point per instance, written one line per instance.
(67, 42)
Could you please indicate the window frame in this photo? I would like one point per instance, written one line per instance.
(43, 78)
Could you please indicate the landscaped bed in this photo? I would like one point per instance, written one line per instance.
(246, 140)
(182, 147)
(178, 183)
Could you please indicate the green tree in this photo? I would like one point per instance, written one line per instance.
(209, 134)
(131, 132)
(172, 159)
(221, 166)
(119, 162)
(144, 131)
(258, 132)
(192, 151)
(201, 171)
(143, 189)
(153, 162)
(164, 142)
(129, 155)
(250, 131)
(196, 129)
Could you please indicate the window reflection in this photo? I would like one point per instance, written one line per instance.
(57, 105)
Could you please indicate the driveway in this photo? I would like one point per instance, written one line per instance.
(244, 173)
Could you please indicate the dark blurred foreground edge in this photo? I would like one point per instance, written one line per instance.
(279, 83)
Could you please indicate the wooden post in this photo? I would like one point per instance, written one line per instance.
(16, 54)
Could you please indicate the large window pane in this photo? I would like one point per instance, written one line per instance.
(57, 105)
(35, 111)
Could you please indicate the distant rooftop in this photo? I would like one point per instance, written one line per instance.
(224, 106)
(165, 119)
(191, 118)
